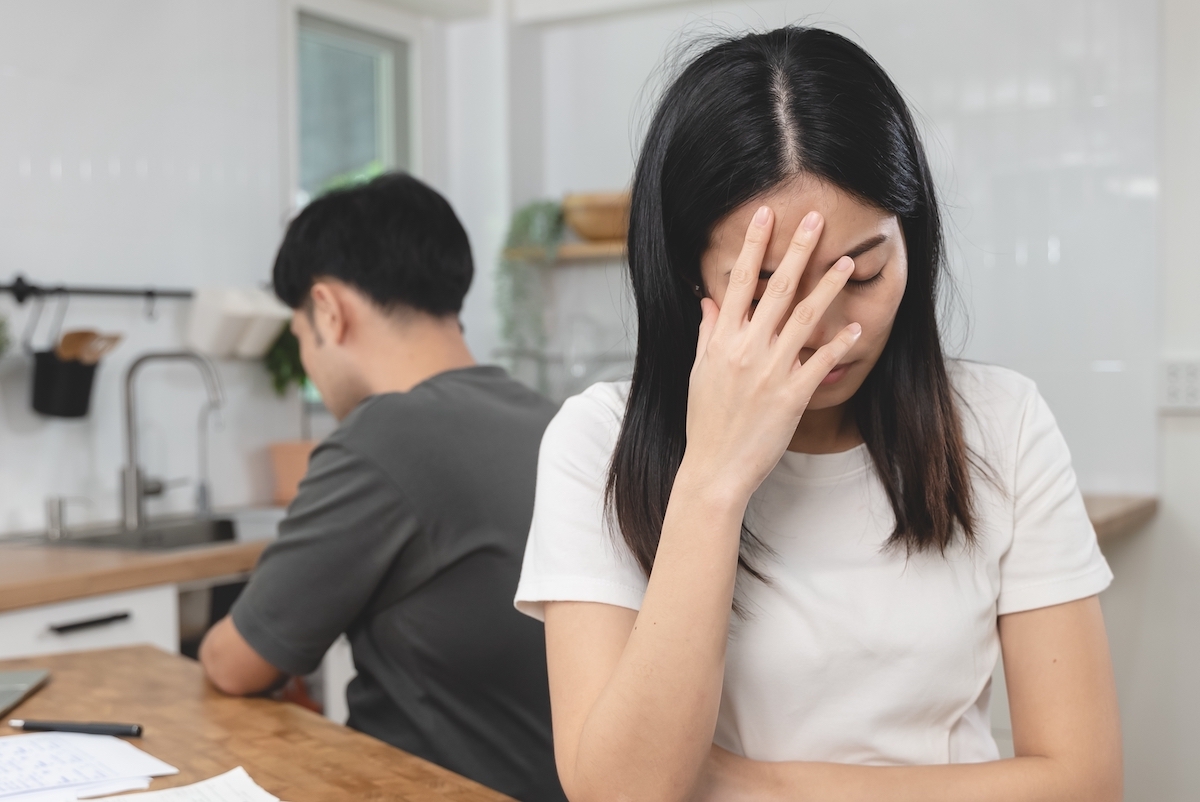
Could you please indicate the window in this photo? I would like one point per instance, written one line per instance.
(354, 115)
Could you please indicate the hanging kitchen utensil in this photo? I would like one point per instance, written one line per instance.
(96, 348)
(73, 344)
(62, 388)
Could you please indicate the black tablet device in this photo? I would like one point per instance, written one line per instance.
(15, 686)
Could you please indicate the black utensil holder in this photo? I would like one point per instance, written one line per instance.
(61, 388)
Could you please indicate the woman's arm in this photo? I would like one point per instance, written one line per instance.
(1066, 733)
(635, 695)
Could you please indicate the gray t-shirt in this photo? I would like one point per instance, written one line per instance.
(407, 534)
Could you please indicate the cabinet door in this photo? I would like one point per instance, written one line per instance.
(1001, 722)
(146, 615)
(337, 669)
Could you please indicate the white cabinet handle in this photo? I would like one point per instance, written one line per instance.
(89, 623)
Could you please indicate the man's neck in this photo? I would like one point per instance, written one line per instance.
(412, 351)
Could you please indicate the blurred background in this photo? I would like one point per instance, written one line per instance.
(158, 145)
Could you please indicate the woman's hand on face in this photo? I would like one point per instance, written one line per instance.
(748, 388)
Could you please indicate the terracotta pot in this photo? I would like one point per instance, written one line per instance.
(289, 463)
(598, 215)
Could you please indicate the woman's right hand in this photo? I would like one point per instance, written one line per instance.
(748, 388)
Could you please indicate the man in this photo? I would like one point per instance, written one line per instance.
(408, 530)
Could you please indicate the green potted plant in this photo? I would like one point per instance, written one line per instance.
(530, 249)
(282, 361)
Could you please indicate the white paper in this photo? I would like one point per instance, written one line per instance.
(232, 786)
(77, 792)
(112, 787)
(68, 762)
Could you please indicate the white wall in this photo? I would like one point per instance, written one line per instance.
(477, 165)
(140, 144)
(150, 142)
(1153, 608)
(1039, 119)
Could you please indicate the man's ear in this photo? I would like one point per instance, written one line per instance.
(330, 312)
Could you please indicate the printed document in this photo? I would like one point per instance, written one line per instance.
(54, 766)
(232, 786)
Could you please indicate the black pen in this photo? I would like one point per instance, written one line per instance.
(85, 727)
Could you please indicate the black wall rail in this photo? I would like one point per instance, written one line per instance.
(22, 290)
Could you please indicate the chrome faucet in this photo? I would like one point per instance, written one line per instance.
(134, 486)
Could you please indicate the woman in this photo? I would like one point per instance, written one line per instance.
(783, 561)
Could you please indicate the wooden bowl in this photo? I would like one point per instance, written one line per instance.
(598, 215)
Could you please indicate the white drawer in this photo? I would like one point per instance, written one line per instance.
(146, 615)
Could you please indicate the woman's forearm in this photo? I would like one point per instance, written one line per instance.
(1021, 779)
(649, 732)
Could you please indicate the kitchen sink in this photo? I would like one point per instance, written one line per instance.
(159, 535)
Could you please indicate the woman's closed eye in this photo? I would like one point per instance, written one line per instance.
(854, 283)
(864, 283)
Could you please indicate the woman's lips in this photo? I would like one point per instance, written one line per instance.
(835, 375)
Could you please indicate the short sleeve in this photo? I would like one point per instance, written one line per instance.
(1054, 557)
(572, 554)
(342, 533)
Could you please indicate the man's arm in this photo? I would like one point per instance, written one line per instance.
(231, 664)
(341, 535)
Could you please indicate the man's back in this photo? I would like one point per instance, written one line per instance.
(408, 534)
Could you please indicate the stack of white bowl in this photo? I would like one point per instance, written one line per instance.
(235, 322)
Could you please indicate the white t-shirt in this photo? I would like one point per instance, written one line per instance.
(852, 653)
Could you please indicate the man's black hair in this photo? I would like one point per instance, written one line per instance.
(395, 240)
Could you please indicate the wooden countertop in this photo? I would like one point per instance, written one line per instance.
(1115, 516)
(32, 574)
(294, 753)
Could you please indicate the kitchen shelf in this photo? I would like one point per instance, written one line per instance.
(22, 290)
(1115, 516)
(573, 251)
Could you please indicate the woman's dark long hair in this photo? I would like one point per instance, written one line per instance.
(741, 119)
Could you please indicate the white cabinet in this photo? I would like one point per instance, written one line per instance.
(337, 669)
(1001, 722)
(146, 615)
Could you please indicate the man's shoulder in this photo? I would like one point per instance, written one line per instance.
(433, 411)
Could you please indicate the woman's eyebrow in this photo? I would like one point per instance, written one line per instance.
(864, 246)
(855, 252)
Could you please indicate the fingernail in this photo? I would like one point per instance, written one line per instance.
(811, 221)
(855, 330)
(845, 263)
(762, 215)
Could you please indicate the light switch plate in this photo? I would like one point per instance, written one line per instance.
(1181, 385)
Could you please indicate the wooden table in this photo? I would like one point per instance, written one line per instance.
(295, 754)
